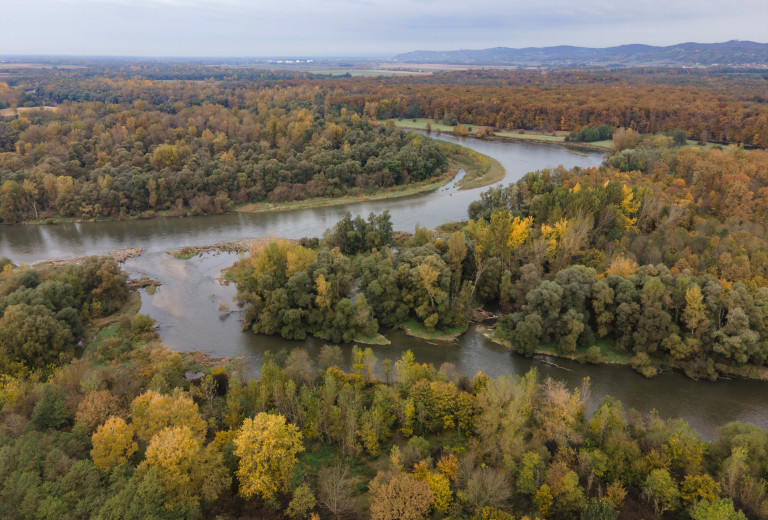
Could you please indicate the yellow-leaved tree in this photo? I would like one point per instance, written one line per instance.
(185, 468)
(152, 411)
(267, 448)
(113, 444)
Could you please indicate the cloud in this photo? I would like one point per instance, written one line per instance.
(360, 27)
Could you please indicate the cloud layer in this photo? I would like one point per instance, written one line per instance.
(361, 27)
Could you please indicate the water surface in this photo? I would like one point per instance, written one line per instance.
(195, 312)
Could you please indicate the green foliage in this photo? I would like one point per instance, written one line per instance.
(721, 509)
(51, 412)
(591, 133)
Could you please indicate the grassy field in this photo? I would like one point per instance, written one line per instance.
(522, 135)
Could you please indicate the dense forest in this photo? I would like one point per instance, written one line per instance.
(658, 259)
(98, 159)
(128, 429)
(121, 140)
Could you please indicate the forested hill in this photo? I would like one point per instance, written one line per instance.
(733, 52)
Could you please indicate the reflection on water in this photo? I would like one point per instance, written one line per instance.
(187, 305)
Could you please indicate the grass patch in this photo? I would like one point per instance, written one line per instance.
(321, 202)
(378, 339)
(418, 330)
(480, 169)
(184, 254)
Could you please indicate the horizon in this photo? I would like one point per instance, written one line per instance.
(358, 28)
(338, 57)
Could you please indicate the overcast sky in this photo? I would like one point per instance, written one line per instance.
(362, 27)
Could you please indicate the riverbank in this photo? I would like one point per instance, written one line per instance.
(233, 246)
(486, 133)
(119, 255)
(602, 353)
(395, 192)
(417, 329)
(479, 170)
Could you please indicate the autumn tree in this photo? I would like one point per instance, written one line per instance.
(399, 497)
(267, 448)
(187, 470)
(113, 444)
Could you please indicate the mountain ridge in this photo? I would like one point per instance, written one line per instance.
(734, 52)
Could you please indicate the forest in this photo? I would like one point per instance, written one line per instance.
(129, 429)
(657, 259)
(120, 140)
(96, 159)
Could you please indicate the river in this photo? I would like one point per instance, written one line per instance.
(195, 312)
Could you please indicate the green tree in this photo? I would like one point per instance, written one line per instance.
(661, 489)
(32, 334)
(720, 509)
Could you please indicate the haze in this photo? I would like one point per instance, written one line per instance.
(360, 27)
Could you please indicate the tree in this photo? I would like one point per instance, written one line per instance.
(694, 315)
(302, 502)
(399, 497)
(529, 473)
(152, 411)
(31, 334)
(50, 411)
(96, 407)
(267, 448)
(698, 488)
(113, 444)
(186, 469)
(335, 488)
(599, 509)
(662, 491)
(720, 509)
(140, 497)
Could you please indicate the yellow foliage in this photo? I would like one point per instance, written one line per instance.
(629, 207)
(438, 484)
(185, 469)
(520, 232)
(152, 411)
(324, 292)
(622, 266)
(697, 488)
(270, 259)
(113, 444)
(449, 466)
(267, 448)
(552, 234)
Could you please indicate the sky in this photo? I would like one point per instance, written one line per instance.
(375, 28)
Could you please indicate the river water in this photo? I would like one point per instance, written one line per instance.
(195, 312)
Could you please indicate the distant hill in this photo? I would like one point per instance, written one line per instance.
(737, 53)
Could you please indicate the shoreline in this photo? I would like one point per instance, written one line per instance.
(748, 373)
(493, 173)
(502, 135)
